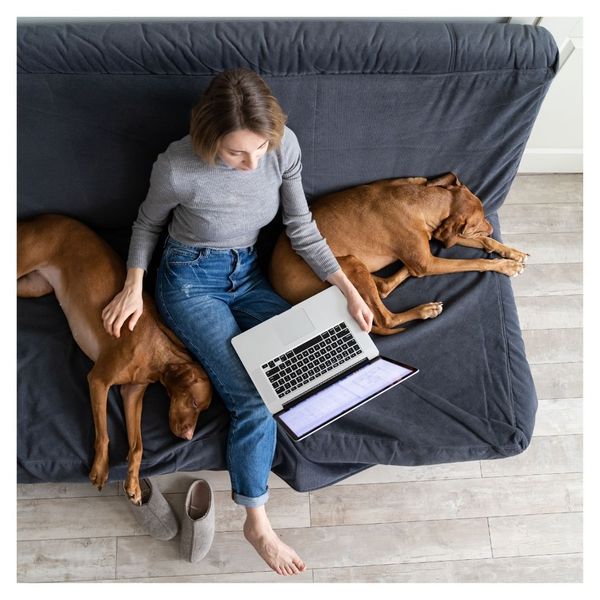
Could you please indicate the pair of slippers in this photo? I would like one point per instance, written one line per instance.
(159, 520)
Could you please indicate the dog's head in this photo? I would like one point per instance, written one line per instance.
(190, 391)
(466, 218)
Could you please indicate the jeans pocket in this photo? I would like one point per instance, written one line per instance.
(184, 255)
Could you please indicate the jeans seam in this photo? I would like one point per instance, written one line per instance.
(241, 310)
(184, 337)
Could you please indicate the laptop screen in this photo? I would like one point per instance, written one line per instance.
(344, 395)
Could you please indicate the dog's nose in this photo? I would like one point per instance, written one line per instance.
(187, 434)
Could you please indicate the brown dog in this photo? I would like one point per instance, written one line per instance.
(58, 254)
(371, 226)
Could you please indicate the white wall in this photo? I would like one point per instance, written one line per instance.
(556, 142)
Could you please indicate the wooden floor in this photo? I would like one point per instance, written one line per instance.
(511, 520)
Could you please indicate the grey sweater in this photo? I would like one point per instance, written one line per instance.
(221, 207)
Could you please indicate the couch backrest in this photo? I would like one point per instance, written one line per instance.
(367, 99)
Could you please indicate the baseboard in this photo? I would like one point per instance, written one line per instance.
(552, 160)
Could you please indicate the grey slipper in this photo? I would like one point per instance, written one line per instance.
(155, 514)
(198, 525)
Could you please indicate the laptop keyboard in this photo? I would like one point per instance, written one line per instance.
(311, 359)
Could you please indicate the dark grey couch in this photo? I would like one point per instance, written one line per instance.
(97, 102)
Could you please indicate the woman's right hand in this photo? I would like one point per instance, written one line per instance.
(128, 302)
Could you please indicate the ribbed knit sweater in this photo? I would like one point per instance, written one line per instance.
(222, 207)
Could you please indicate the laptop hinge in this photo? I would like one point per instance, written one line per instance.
(328, 382)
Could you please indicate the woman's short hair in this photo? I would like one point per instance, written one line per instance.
(235, 99)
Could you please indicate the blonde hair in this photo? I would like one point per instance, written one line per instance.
(235, 99)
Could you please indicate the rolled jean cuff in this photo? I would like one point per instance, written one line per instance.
(250, 502)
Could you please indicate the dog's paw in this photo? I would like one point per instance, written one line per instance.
(509, 267)
(516, 255)
(430, 310)
(133, 490)
(99, 473)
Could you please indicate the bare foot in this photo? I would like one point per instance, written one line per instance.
(279, 556)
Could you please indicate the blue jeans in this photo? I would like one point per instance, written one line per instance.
(207, 296)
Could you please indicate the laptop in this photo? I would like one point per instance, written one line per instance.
(313, 364)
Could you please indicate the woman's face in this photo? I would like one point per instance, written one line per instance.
(242, 149)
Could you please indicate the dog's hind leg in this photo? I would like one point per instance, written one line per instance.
(33, 285)
(384, 321)
(133, 394)
(386, 285)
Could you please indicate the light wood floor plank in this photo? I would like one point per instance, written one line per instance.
(549, 280)
(547, 187)
(561, 416)
(558, 380)
(98, 517)
(538, 218)
(545, 455)
(546, 312)
(547, 248)
(66, 560)
(323, 546)
(536, 534)
(456, 499)
(241, 577)
(553, 345)
(531, 569)
(64, 490)
(47, 519)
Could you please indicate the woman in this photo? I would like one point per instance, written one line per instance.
(225, 181)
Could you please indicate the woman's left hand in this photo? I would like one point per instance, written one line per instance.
(358, 308)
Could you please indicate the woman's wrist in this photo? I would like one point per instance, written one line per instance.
(340, 280)
(134, 279)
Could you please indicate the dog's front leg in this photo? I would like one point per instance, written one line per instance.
(99, 397)
(133, 395)
(491, 245)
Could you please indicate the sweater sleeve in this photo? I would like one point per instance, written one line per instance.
(152, 214)
(301, 228)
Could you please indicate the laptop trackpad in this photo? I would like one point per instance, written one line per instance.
(289, 330)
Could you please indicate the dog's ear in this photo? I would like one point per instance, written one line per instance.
(449, 229)
(468, 229)
(446, 181)
(171, 376)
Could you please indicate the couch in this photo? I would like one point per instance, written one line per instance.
(368, 99)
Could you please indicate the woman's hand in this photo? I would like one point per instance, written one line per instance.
(127, 302)
(357, 307)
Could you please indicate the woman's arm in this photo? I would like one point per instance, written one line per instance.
(153, 213)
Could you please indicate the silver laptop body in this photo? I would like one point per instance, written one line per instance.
(263, 348)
